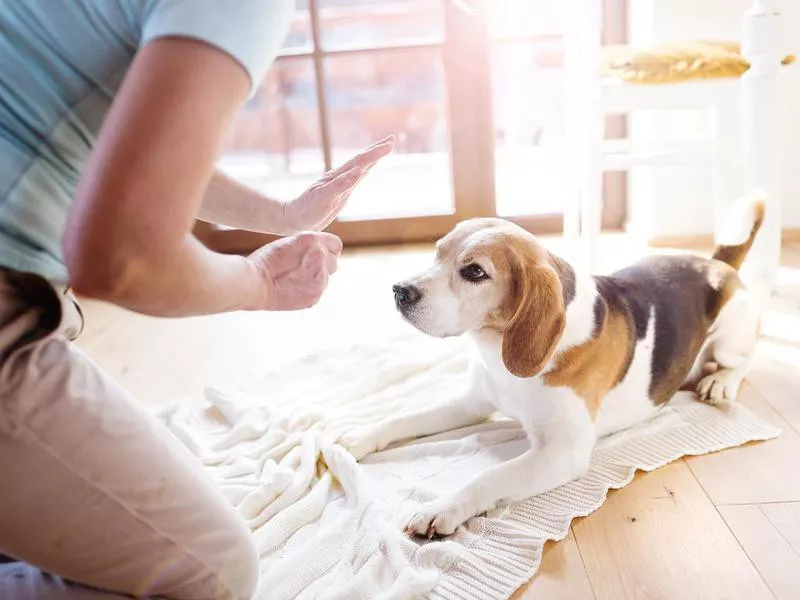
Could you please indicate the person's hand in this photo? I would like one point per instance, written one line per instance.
(320, 204)
(295, 269)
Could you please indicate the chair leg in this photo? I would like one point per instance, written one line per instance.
(591, 216)
(585, 119)
(763, 97)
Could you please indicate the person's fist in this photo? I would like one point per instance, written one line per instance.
(296, 269)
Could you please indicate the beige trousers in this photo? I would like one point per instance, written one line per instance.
(92, 489)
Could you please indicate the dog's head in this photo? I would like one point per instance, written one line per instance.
(490, 274)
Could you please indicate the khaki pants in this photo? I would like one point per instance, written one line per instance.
(92, 489)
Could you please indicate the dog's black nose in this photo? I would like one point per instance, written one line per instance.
(405, 296)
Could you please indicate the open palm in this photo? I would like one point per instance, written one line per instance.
(321, 203)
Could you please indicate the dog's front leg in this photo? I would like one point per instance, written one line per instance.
(466, 407)
(554, 459)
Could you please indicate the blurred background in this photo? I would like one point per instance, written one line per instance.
(474, 90)
(476, 105)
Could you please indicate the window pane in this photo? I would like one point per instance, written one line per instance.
(274, 143)
(347, 23)
(524, 18)
(402, 93)
(530, 137)
(299, 36)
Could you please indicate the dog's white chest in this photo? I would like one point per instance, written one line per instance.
(529, 401)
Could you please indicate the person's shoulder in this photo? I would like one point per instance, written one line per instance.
(251, 31)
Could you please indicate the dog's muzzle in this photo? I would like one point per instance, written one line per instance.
(406, 296)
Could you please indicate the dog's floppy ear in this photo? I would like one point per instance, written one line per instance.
(538, 317)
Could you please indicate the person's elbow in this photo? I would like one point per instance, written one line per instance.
(100, 269)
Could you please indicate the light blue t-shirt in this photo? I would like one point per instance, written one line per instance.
(61, 63)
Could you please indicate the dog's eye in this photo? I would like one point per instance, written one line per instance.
(473, 273)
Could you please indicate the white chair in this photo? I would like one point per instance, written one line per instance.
(591, 98)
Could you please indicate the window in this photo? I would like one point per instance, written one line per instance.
(474, 96)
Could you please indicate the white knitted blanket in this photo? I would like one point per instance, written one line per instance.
(329, 528)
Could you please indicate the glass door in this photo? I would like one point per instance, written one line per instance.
(352, 72)
(470, 88)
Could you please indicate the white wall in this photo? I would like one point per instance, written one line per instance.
(677, 201)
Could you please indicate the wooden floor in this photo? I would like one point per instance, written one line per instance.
(720, 526)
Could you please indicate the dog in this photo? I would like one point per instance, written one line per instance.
(571, 357)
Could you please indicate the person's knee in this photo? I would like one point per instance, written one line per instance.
(241, 577)
(237, 572)
(220, 564)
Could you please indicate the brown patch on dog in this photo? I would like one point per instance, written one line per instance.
(533, 315)
(533, 332)
(465, 229)
(595, 367)
(727, 284)
(735, 255)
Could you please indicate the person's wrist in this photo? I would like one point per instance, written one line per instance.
(288, 226)
(258, 285)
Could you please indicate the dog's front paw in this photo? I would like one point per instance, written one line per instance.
(436, 519)
(362, 441)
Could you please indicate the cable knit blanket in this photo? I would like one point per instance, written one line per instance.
(329, 528)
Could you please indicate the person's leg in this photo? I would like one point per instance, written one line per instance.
(93, 489)
(19, 581)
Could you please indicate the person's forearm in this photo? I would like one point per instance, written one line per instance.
(230, 203)
(190, 281)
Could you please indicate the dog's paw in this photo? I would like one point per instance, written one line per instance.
(435, 519)
(717, 388)
(362, 441)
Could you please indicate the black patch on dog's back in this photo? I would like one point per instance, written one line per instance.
(677, 290)
(600, 312)
(567, 276)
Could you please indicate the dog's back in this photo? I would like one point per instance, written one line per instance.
(685, 295)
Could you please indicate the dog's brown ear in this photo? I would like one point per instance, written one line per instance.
(537, 321)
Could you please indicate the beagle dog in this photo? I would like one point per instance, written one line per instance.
(571, 357)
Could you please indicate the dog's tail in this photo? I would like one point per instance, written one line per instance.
(739, 229)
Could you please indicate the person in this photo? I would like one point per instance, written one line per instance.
(112, 116)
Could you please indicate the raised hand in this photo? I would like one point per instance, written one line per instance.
(321, 203)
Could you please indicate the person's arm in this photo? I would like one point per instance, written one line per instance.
(228, 202)
(127, 240)
(233, 204)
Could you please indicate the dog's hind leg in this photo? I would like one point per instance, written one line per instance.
(731, 343)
